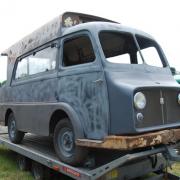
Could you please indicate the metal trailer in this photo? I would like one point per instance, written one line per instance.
(39, 151)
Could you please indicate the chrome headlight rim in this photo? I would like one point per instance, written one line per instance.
(178, 98)
(139, 100)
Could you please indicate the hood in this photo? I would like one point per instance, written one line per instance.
(135, 76)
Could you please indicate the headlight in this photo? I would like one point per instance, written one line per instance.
(178, 98)
(139, 100)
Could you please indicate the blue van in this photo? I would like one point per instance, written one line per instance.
(89, 82)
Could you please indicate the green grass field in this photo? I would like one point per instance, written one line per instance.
(10, 171)
(8, 167)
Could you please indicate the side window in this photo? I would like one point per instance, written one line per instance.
(78, 50)
(41, 61)
(22, 68)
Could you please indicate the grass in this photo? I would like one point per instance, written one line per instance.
(175, 169)
(10, 171)
(8, 167)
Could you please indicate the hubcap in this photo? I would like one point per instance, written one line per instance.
(12, 128)
(66, 142)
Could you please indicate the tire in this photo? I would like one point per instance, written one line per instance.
(64, 144)
(14, 135)
(24, 163)
(38, 171)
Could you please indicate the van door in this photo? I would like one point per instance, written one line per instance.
(82, 83)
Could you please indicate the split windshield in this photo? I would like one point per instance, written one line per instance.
(121, 48)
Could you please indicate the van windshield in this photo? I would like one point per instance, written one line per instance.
(121, 48)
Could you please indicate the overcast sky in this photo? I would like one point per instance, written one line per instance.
(159, 18)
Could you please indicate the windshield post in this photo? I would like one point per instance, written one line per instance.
(139, 49)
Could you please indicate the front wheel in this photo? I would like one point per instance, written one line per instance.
(64, 144)
(14, 135)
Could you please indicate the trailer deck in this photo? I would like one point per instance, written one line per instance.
(129, 166)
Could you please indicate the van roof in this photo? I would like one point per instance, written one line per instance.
(50, 31)
(59, 26)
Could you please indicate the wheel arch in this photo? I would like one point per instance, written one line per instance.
(8, 112)
(66, 111)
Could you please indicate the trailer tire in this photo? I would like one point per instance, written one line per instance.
(23, 162)
(37, 171)
(64, 144)
(14, 135)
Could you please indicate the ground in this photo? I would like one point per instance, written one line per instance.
(176, 169)
(8, 167)
(10, 171)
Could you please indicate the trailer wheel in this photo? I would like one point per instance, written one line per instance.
(14, 135)
(24, 163)
(64, 144)
(37, 171)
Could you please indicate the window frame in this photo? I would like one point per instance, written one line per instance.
(101, 49)
(72, 36)
(36, 76)
(158, 48)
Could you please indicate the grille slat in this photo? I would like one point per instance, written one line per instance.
(172, 107)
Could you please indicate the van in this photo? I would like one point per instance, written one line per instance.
(89, 82)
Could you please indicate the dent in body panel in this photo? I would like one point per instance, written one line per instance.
(89, 100)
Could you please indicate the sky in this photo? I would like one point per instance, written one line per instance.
(160, 18)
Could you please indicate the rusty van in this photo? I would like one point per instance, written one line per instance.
(89, 82)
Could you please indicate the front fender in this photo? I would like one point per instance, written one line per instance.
(75, 120)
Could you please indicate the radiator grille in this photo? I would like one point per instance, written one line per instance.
(157, 113)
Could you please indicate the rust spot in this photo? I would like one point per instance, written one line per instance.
(30, 40)
(133, 142)
(156, 140)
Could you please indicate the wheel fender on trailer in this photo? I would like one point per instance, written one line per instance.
(75, 120)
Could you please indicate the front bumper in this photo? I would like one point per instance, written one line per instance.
(133, 142)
